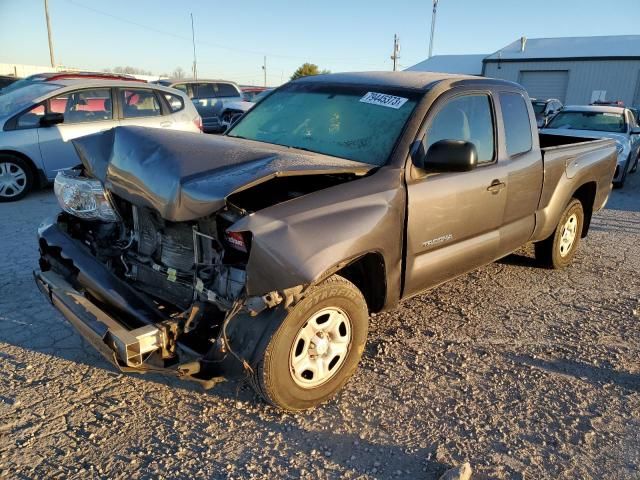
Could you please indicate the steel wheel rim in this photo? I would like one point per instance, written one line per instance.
(13, 179)
(568, 235)
(320, 347)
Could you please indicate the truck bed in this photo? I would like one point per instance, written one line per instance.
(570, 161)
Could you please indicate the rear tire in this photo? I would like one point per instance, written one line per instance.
(16, 178)
(327, 327)
(558, 250)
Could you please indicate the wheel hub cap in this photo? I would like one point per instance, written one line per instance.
(568, 235)
(13, 179)
(320, 347)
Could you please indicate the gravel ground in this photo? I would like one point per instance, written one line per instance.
(524, 372)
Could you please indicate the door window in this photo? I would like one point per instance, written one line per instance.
(204, 90)
(31, 118)
(227, 90)
(83, 106)
(517, 128)
(466, 118)
(139, 102)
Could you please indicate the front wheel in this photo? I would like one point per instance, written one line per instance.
(558, 249)
(316, 349)
(16, 178)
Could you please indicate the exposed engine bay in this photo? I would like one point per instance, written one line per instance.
(191, 273)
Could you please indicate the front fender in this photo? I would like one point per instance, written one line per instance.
(296, 242)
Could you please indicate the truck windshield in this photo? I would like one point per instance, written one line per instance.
(357, 123)
(596, 121)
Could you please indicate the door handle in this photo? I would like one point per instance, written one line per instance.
(496, 186)
(165, 124)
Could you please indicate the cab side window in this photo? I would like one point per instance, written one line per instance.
(467, 118)
(517, 128)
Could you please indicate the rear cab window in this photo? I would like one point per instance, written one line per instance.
(517, 127)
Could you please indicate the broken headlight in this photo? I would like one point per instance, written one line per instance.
(83, 197)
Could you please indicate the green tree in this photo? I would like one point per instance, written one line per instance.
(307, 69)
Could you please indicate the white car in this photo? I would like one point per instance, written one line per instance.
(595, 121)
(232, 111)
(38, 121)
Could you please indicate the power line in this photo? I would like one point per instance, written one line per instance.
(209, 44)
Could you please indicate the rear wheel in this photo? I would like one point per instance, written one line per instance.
(558, 249)
(16, 178)
(316, 349)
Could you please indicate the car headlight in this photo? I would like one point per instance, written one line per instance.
(83, 197)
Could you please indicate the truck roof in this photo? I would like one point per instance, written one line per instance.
(422, 81)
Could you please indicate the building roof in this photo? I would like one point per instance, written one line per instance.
(465, 64)
(613, 46)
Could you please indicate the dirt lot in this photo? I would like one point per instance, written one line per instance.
(524, 372)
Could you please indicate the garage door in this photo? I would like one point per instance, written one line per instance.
(545, 84)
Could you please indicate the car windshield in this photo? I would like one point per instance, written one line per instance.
(538, 107)
(356, 123)
(25, 96)
(596, 121)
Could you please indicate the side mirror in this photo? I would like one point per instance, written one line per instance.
(449, 156)
(635, 131)
(49, 119)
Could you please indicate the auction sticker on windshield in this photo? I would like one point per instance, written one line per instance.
(383, 100)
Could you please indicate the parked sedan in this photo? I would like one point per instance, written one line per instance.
(618, 123)
(210, 97)
(38, 121)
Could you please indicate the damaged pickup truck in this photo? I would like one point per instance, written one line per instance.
(262, 252)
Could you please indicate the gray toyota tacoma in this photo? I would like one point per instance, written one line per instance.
(260, 254)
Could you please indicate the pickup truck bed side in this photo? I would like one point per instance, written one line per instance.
(568, 168)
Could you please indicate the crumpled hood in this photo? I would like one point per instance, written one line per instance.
(185, 176)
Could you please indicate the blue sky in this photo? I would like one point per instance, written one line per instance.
(339, 35)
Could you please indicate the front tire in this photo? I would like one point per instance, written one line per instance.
(16, 178)
(558, 250)
(316, 349)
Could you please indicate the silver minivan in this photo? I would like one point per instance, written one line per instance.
(38, 121)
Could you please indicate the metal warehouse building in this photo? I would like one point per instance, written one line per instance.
(575, 70)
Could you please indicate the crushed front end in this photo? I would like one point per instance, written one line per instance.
(148, 293)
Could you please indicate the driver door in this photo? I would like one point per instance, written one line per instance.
(85, 111)
(454, 217)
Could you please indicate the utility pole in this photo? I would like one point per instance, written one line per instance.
(193, 39)
(396, 52)
(46, 13)
(433, 27)
(264, 67)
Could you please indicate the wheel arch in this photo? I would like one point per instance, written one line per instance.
(368, 273)
(586, 194)
(39, 177)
